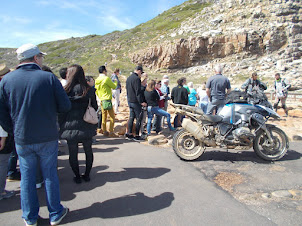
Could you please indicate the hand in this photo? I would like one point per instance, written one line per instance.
(2, 143)
(144, 104)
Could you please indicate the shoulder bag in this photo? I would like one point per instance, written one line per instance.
(90, 115)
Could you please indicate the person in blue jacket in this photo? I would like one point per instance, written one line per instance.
(29, 102)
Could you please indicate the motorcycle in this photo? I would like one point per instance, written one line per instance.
(239, 126)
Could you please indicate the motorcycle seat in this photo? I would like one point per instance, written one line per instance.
(213, 118)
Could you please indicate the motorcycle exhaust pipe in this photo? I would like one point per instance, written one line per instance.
(194, 128)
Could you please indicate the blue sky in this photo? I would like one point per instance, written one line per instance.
(39, 21)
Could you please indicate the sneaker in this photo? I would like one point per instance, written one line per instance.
(29, 223)
(64, 213)
(112, 134)
(7, 194)
(172, 129)
(129, 137)
(138, 138)
(14, 177)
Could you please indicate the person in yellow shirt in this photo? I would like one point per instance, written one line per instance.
(103, 86)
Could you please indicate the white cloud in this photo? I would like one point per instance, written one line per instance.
(4, 19)
(38, 37)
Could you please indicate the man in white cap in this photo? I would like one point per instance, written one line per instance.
(29, 102)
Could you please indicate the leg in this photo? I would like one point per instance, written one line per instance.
(131, 118)
(117, 100)
(277, 100)
(138, 112)
(104, 119)
(210, 108)
(12, 163)
(176, 120)
(112, 119)
(28, 166)
(87, 145)
(283, 100)
(48, 153)
(73, 157)
(150, 117)
(100, 120)
(3, 165)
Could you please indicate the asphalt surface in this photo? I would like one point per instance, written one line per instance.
(136, 184)
(271, 189)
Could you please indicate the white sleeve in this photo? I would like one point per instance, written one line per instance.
(3, 133)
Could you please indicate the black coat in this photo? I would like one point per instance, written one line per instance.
(72, 125)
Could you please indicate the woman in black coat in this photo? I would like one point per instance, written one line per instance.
(72, 126)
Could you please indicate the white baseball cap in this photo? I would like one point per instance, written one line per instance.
(27, 51)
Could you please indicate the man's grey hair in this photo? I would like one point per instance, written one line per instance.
(218, 68)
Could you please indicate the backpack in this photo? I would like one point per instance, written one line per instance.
(236, 96)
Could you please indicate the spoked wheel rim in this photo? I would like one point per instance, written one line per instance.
(188, 145)
(275, 150)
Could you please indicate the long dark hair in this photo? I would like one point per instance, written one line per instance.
(75, 75)
(151, 86)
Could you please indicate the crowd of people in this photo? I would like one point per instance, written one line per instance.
(33, 99)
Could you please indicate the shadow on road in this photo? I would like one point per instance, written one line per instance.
(128, 205)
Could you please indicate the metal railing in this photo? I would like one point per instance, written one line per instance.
(291, 97)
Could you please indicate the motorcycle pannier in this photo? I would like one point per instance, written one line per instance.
(236, 96)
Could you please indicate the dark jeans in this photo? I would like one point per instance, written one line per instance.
(135, 113)
(178, 120)
(73, 156)
(12, 162)
(100, 120)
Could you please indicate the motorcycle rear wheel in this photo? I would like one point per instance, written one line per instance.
(274, 152)
(186, 146)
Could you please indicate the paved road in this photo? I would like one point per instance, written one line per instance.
(272, 189)
(135, 184)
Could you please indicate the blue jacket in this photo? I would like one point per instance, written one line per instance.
(29, 102)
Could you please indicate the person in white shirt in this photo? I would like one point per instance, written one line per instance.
(203, 98)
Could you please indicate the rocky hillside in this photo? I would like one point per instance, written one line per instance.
(186, 40)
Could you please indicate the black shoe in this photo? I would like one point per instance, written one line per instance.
(129, 137)
(77, 180)
(138, 138)
(14, 177)
(85, 178)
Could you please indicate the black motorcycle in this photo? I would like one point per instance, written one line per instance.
(239, 125)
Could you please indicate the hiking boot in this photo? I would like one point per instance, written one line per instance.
(99, 131)
(7, 194)
(112, 134)
(14, 177)
(64, 213)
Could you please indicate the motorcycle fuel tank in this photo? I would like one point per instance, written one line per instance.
(231, 113)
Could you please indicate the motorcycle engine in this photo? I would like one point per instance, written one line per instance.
(242, 133)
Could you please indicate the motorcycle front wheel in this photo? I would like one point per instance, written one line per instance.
(271, 152)
(186, 146)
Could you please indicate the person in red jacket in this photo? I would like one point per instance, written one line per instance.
(156, 126)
